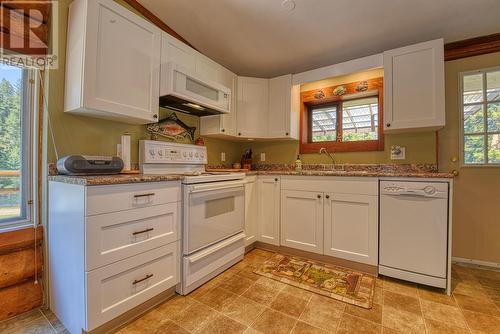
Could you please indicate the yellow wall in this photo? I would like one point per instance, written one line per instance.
(92, 136)
(476, 219)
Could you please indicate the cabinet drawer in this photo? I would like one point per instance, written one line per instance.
(114, 236)
(104, 199)
(121, 286)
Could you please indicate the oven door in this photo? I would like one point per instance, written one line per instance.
(212, 212)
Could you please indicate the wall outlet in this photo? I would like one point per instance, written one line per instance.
(222, 156)
(263, 157)
(398, 152)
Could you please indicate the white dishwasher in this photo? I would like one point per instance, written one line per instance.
(414, 231)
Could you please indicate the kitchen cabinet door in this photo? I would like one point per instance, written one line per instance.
(351, 227)
(282, 117)
(302, 220)
(222, 125)
(253, 106)
(268, 188)
(175, 51)
(414, 87)
(113, 63)
(251, 211)
(207, 68)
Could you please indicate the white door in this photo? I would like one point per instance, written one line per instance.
(268, 188)
(122, 63)
(253, 97)
(251, 212)
(280, 90)
(351, 229)
(414, 87)
(302, 220)
(212, 212)
(173, 50)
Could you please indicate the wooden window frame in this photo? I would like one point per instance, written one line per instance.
(312, 98)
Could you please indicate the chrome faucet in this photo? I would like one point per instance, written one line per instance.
(330, 155)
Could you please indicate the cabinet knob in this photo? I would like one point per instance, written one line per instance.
(388, 125)
(155, 116)
(327, 196)
(319, 196)
(239, 133)
(222, 130)
(276, 180)
(286, 133)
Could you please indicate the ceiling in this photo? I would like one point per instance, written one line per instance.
(262, 38)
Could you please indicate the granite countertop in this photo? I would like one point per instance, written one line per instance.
(353, 173)
(368, 170)
(97, 180)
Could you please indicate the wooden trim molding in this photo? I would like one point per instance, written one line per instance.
(156, 20)
(472, 47)
(325, 96)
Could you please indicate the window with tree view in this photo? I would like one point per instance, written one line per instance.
(14, 145)
(481, 117)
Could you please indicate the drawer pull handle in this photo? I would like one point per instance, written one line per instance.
(144, 195)
(143, 231)
(142, 279)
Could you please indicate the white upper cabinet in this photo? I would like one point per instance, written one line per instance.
(253, 106)
(175, 51)
(414, 87)
(222, 125)
(208, 69)
(283, 115)
(112, 63)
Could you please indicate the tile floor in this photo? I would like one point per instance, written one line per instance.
(239, 301)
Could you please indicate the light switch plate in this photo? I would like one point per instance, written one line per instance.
(222, 156)
(398, 152)
(263, 157)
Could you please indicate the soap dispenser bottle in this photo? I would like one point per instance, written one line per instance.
(298, 164)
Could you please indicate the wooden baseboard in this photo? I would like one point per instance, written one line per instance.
(250, 247)
(365, 268)
(131, 315)
(476, 262)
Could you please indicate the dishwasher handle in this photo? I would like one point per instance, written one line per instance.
(428, 192)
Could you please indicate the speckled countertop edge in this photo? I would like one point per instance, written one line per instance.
(97, 180)
(354, 173)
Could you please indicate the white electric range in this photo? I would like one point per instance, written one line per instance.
(213, 209)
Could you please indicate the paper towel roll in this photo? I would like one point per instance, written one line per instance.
(125, 148)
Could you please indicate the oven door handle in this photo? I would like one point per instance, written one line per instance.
(217, 247)
(193, 189)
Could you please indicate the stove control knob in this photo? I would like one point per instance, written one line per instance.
(190, 154)
(160, 152)
(196, 154)
(152, 152)
(202, 155)
(184, 154)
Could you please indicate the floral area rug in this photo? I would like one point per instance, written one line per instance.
(339, 283)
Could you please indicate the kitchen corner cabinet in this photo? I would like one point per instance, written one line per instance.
(223, 125)
(253, 106)
(251, 210)
(112, 63)
(351, 227)
(284, 100)
(268, 188)
(302, 220)
(414, 96)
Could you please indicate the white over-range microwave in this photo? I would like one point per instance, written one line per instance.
(188, 92)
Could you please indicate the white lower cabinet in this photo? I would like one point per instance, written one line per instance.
(251, 210)
(111, 248)
(121, 286)
(351, 228)
(331, 216)
(302, 220)
(268, 188)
